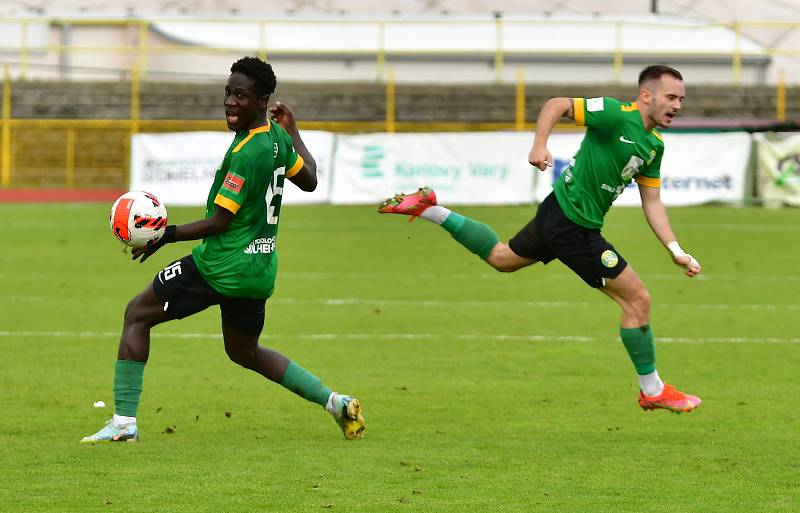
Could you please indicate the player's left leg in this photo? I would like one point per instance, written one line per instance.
(242, 322)
(628, 290)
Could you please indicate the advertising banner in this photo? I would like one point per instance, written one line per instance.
(463, 168)
(696, 169)
(179, 167)
(778, 168)
(488, 168)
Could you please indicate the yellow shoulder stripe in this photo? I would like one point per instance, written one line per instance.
(629, 108)
(298, 165)
(226, 203)
(580, 114)
(658, 135)
(648, 182)
(253, 132)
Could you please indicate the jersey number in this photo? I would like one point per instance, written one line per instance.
(172, 271)
(274, 192)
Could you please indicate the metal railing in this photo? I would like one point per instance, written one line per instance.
(55, 141)
(78, 131)
(140, 47)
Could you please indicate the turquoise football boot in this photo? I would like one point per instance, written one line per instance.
(111, 433)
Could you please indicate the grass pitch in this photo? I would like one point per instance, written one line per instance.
(483, 392)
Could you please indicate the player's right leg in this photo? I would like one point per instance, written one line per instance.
(142, 312)
(177, 291)
(597, 262)
(630, 293)
(475, 236)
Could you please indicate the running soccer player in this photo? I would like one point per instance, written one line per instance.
(235, 265)
(621, 143)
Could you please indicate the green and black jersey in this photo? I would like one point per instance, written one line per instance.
(242, 261)
(615, 149)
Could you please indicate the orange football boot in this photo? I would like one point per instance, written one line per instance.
(670, 399)
(409, 204)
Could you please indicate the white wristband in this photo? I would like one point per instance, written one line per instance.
(675, 249)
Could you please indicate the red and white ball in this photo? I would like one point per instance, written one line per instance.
(138, 217)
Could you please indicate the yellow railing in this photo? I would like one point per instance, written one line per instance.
(140, 47)
(519, 100)
(52, 152)
(499, 57)
(5, 141)
(780, 98)
(390, 101)
(52, 143)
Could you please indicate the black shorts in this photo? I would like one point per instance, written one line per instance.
(184, 292)
(551, 234)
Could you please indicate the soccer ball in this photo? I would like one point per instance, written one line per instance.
(138, 217)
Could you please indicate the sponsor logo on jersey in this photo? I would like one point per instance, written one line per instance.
(262, 246)
(233, 183)
(631, 168)
(616, 191)
(609, 258)
(594, 104)
(622, 138)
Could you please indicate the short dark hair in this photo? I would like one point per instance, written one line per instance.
(656, 71)
(259, 72)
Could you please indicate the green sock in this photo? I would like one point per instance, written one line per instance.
(477, 237)
(305, 384)
(127, 387)
(639, 344)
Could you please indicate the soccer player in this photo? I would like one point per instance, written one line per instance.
(235, 265)
(621, 143)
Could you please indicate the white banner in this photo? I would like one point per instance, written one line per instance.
(463, 168)
(696, 169)
(179, 167)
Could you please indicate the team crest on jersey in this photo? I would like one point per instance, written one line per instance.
(233, 183)
(609, 258)
(652, 156)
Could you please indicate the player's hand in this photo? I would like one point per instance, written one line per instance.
(688, 262)
(283, 115)
(145, 251)
(540, 157)
(154, 245)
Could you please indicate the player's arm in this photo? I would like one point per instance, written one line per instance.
(656, 214)
(213, 225)
(306, 177)
(553, 110)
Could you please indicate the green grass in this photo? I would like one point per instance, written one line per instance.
(483, 392)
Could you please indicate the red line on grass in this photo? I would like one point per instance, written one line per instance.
(59, 195)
